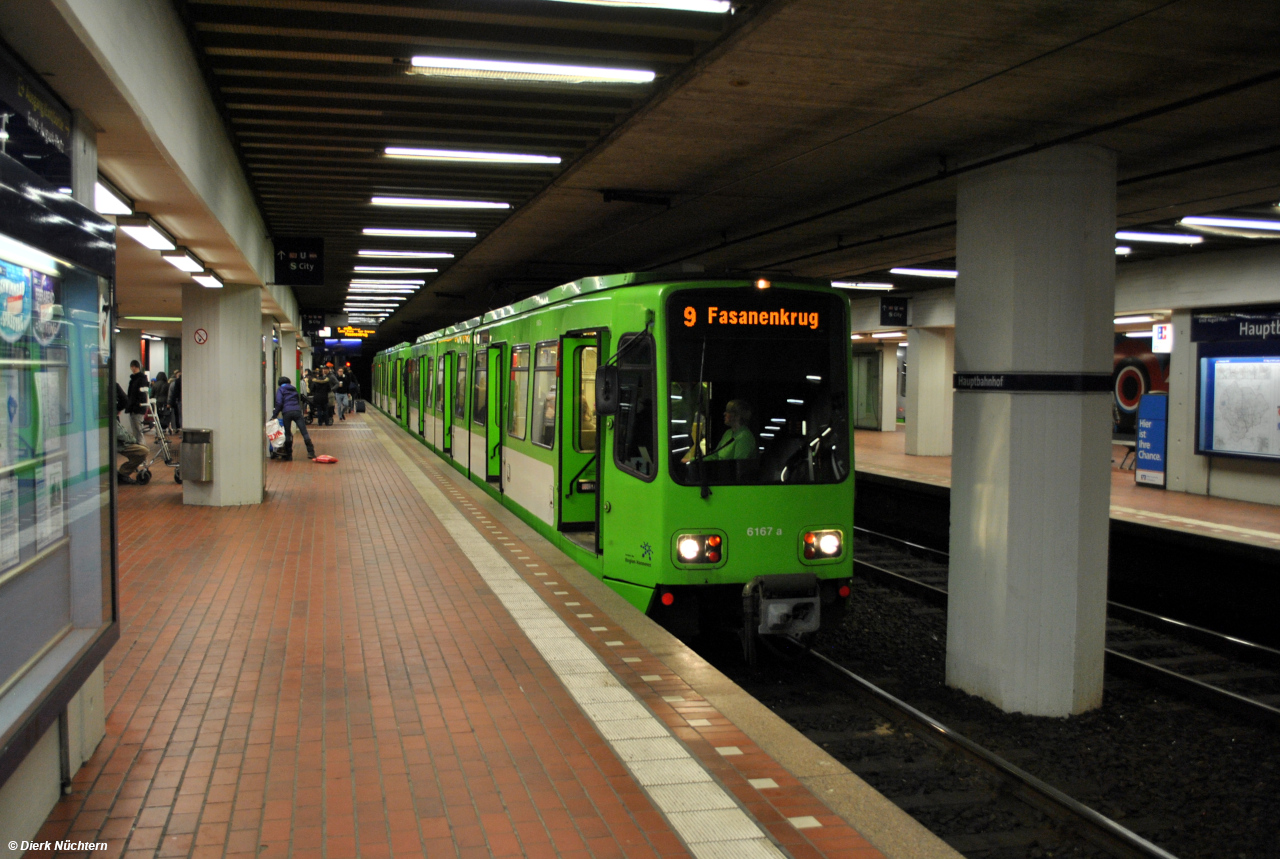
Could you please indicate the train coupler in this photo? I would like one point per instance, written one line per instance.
(786, 604)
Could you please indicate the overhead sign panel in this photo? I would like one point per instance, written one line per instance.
(300, 262)
(894, 310)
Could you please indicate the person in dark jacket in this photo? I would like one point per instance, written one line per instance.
(137, 394)
(289, 408)
(321, 387)
(175, 399)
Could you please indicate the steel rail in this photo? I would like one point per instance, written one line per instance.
(1070, 813)
(1124, 665)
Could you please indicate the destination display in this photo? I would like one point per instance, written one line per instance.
(786, 312)
(1239, 407)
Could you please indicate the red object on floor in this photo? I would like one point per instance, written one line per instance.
(326, 458)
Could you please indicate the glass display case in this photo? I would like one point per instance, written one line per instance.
(58, 611)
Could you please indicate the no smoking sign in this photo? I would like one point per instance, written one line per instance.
(202, 336)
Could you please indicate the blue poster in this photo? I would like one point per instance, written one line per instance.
(1153, 426)
(15, 301)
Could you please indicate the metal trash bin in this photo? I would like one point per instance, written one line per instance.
(196, 457)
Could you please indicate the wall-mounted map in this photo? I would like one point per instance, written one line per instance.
(1240, 412)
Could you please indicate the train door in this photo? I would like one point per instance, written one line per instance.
(450, 392)
(425, 364)
(411, 390)
(461, 430)
(496, 357)
(578, 514)
(395, 389)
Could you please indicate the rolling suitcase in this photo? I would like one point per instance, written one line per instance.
(360, 406)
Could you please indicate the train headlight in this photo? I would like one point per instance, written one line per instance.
(823, 545)
(700, 548)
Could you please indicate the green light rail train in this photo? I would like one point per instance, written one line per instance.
(687, 441)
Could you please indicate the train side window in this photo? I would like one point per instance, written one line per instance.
(480, 390)
(460, 392)
(584, 435)
(518, 412)
(440, 384)
(635, 425)
(413, 382)
(544, 394)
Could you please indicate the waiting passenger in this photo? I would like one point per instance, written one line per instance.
(127, 444)
(737, 441)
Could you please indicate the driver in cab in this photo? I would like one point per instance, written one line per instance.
(737, 441)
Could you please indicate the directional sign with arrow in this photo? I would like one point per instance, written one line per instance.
(300, 261)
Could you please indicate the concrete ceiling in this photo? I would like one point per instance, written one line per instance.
(815, 137)
(828, 124)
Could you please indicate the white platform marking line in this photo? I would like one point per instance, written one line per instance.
(653, 760)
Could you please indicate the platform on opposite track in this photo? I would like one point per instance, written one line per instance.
(884, 453)
(336, 673)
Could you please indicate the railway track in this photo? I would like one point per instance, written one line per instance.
(1220, 671)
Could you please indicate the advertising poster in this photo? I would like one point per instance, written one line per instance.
(15, 301)
(10, 391)
(9, 545)
(1153, 423)
(49, 505)
(45, 311)
(49, 406)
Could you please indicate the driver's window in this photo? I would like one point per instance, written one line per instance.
(584, 436)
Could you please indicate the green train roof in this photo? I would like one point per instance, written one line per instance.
(583, 286)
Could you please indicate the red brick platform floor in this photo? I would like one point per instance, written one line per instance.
(326, 675)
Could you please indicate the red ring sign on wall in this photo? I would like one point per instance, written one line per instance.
(201, 336)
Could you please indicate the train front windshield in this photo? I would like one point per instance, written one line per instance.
(757, 387)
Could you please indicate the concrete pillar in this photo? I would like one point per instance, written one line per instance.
(269, 374)
(888, 387)
(306, 354)
(289, 349)
(930, 367)
(84, 159)
(222, 390)
(1187, 472)
(1031, 475)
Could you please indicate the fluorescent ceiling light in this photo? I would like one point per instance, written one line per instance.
(406, 254)
(1160, 238)
(358, 281)
(108, 201)
(383, 289)
(1123, 251)
(427, 203)
(420, 234)
(466, 155)
(1134, 320)
(1138, 334)
(855, 337)
(24, 255)
(209, 279)
(883, 334)
(844, 284)
(391, 269)
(65, 191)
(371, 299)
(513, 71)
(147, 232)
(679, 5)
(1233, 223)
(154, 318)
(183, 260)
(924, 272)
